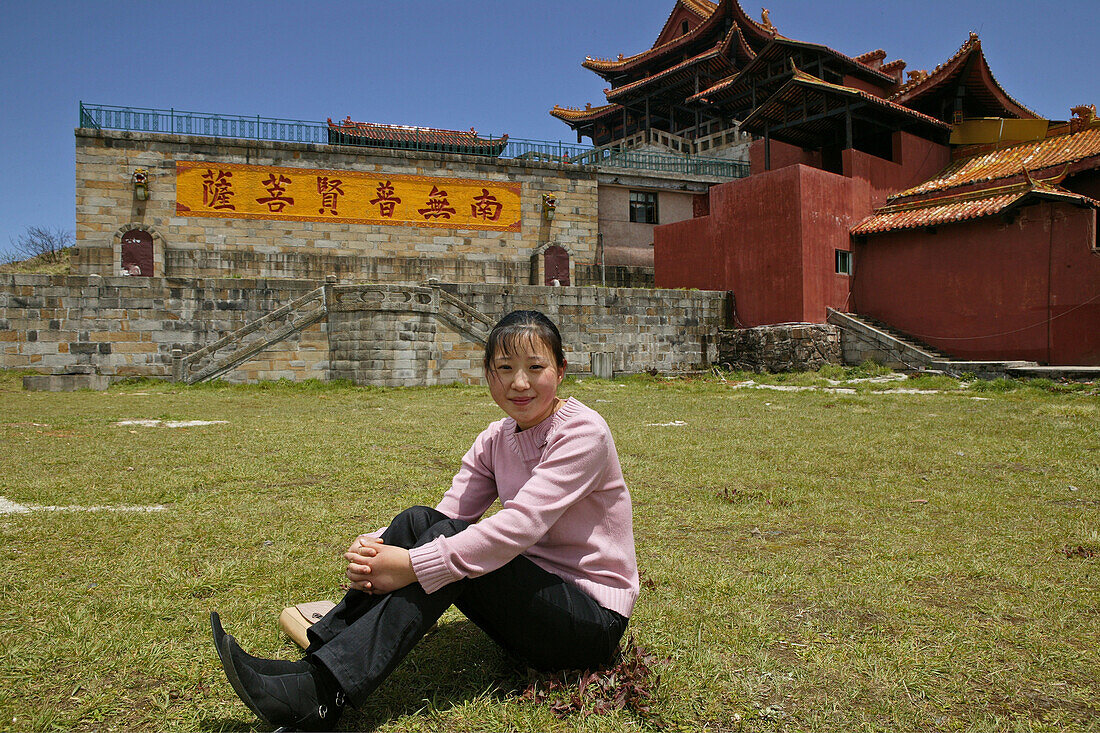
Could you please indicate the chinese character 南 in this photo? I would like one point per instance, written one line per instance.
(386, 200)
(486, 206)
(276, 187)
(329, 188)
(438, 205)
(216, 190)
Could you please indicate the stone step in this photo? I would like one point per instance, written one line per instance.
(64, 382)
(1072, 373)
(902, 336)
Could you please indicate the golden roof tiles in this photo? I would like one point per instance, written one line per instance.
(932, 212)
(1013, 161)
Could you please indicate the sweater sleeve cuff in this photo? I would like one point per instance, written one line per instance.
(429, 566)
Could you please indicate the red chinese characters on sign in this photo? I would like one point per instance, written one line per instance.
(216, 190)
(486, 206)
(276, 188)
(330, 190)
(386, 200)
(438, 205)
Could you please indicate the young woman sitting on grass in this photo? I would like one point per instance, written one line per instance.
(551, 577)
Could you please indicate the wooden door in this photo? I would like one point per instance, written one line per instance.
(556, 261)
(137, 253)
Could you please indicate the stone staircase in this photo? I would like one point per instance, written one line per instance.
(229, 352)
(236, 348)
(864, 335)
(468, 321)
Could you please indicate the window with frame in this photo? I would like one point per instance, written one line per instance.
(843, 262)
(643, 207)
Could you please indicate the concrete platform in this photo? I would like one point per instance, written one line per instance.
(64, 382)
(1074, 373)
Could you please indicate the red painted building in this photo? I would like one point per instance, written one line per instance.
(868, 194)
(996, 257)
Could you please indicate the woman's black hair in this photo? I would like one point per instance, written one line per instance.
(518, 326)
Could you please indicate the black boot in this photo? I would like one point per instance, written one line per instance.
(309, 699)
(261, 665)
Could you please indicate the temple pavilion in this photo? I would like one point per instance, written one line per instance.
(929, 200)
(714, 72)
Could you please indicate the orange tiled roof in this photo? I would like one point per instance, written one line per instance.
(871, 56)
(574, 114)
(716, 87)
(891, 66)
(702, 8)
(1012, 161)
(963, 207)
(921, 83)
(399, 135)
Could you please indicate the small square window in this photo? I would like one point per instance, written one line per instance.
(643, 207)
(843, 262)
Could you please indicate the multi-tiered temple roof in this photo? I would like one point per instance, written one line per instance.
(712, 68)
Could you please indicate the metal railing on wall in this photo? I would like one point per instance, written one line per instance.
(205, 124)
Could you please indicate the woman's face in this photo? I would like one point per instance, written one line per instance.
(525, 382)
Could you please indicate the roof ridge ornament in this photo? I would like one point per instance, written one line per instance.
(1084, 116)
(765, 21)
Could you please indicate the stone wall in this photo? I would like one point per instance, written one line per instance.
(128, 326)
(666, 330)
(783, 348)
(615, 276)
(400, 335)
(860, 342)
(190, 246)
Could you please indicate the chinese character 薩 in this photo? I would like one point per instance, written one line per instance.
(216, 190)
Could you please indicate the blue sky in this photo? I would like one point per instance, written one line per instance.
(496, 66)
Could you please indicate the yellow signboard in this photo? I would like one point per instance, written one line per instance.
(236, 191)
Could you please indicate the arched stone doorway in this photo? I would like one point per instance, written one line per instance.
(556, 265)
(137, 253)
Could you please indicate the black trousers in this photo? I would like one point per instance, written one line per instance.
(535, 615)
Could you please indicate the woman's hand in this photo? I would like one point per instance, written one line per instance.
(365, 545)
(374, 567)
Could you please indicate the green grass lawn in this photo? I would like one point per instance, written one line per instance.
(811, 559)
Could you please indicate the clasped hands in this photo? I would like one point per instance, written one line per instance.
(375, 567)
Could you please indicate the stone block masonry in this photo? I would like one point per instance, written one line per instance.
(128, 326)
(783, 348)
(212, 247)
(642, 329)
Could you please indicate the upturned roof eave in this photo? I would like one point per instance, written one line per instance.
(801, 78)
(725, 8)
(943, 74)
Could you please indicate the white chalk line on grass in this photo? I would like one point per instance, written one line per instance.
(831, 390)
(171, 423)
(10, 507)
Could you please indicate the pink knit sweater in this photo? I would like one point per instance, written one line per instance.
(564, 505)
